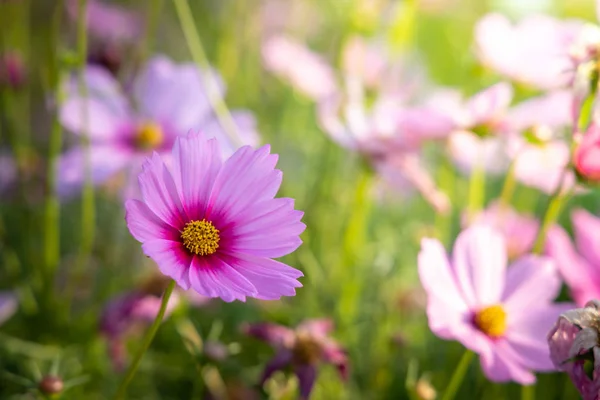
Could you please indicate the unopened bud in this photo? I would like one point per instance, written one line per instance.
(51, 385)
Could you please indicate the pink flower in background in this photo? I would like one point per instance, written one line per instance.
(109, 21)
(303, 348)
(8, 171)
(171, 100)
(13, 73)
(501, 314)
(579, 265)
(364, 61)
(8, 305)
(305, 70)
(215, 225)
(587, 154)
(518, 230)
(574, 340)
(535, 51)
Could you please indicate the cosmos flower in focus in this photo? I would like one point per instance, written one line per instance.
(305, 70)
(574, 348)
(580, 264)
(215, 225)
(501, 314)
(535, 51)
(8, 305)
(303, 348)
(168, 100)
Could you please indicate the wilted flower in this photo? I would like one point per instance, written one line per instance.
(574, 345)
(579, 265)
(303, 348)
(171, 100)
(304, 70)
(8, 305)
(535, 51)
(503, 315)
(587, 155)
(215, 225)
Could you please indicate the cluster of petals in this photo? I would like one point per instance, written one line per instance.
(233, 202)
(501, 313)
(169, 100)
(586, 159)
(109, 21)
(574, 341)
(302, 348)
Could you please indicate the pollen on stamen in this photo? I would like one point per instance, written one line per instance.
(149, 136)
(200, 237)
(491, 321)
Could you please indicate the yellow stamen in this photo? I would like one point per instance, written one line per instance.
(200, 237)
(149, 136)
(491, 321)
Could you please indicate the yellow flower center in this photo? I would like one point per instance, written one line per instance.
(306, 350)
(491, 321)
(200, 237)
(149, 136)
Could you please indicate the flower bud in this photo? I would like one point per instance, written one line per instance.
(587, 155)
(51, 385)
(12, 70)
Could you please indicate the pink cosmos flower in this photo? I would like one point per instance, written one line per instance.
(8, 305)
(171, 99)
(304, 348)
(214, 225)
(579, 265)
(109, 21)
(305, 70)
(587, 155)
(534, 51)
(574, 340)
(501, 314)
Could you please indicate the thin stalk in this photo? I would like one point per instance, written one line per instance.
(188, 26)
(154, 13)
(528, 392)
(459, 375)
(508, 189)
(476, 189)
(145, 343)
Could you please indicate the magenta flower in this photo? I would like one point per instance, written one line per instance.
(8, 305)
(501, 314)
(579, 265)
(303, 69)
(13, 73)
(303, 348)
(587, 155)
(535, 51)
(213, 225)
(573, 341)
(171, 100)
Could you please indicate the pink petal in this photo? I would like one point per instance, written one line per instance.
(502, 365)
(587, 229)
(8, 305)
(276, 335)
(489, 105)
(144, 225)
(196, 163)
(171, 258)
(530, 280)
(446, 308)
(271, 278)
(317, 327)
(246, 178)
(479, 261)
(93, 117)
(212, 277)
(160, 193)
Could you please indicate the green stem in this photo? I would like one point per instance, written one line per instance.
(154, 13)
(145, 343)
(508, 189)
(528, 392)
(550, 214)
(476, 189)
(459, 375)
(188, 26)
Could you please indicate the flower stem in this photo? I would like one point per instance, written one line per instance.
(146, 342)
(508, 189)
(476, 189)
(188, 26)
(528, 392)
(551, 213)
(459, 375)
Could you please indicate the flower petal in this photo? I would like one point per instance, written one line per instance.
(171, 258)
(8, 305)
(479, 261)
(530, 280)
(144, 225)
(307, 376)
(276, 335)
(196, 163)
(587, 228)
(502, 365)
(212, 277)
(160, 193)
